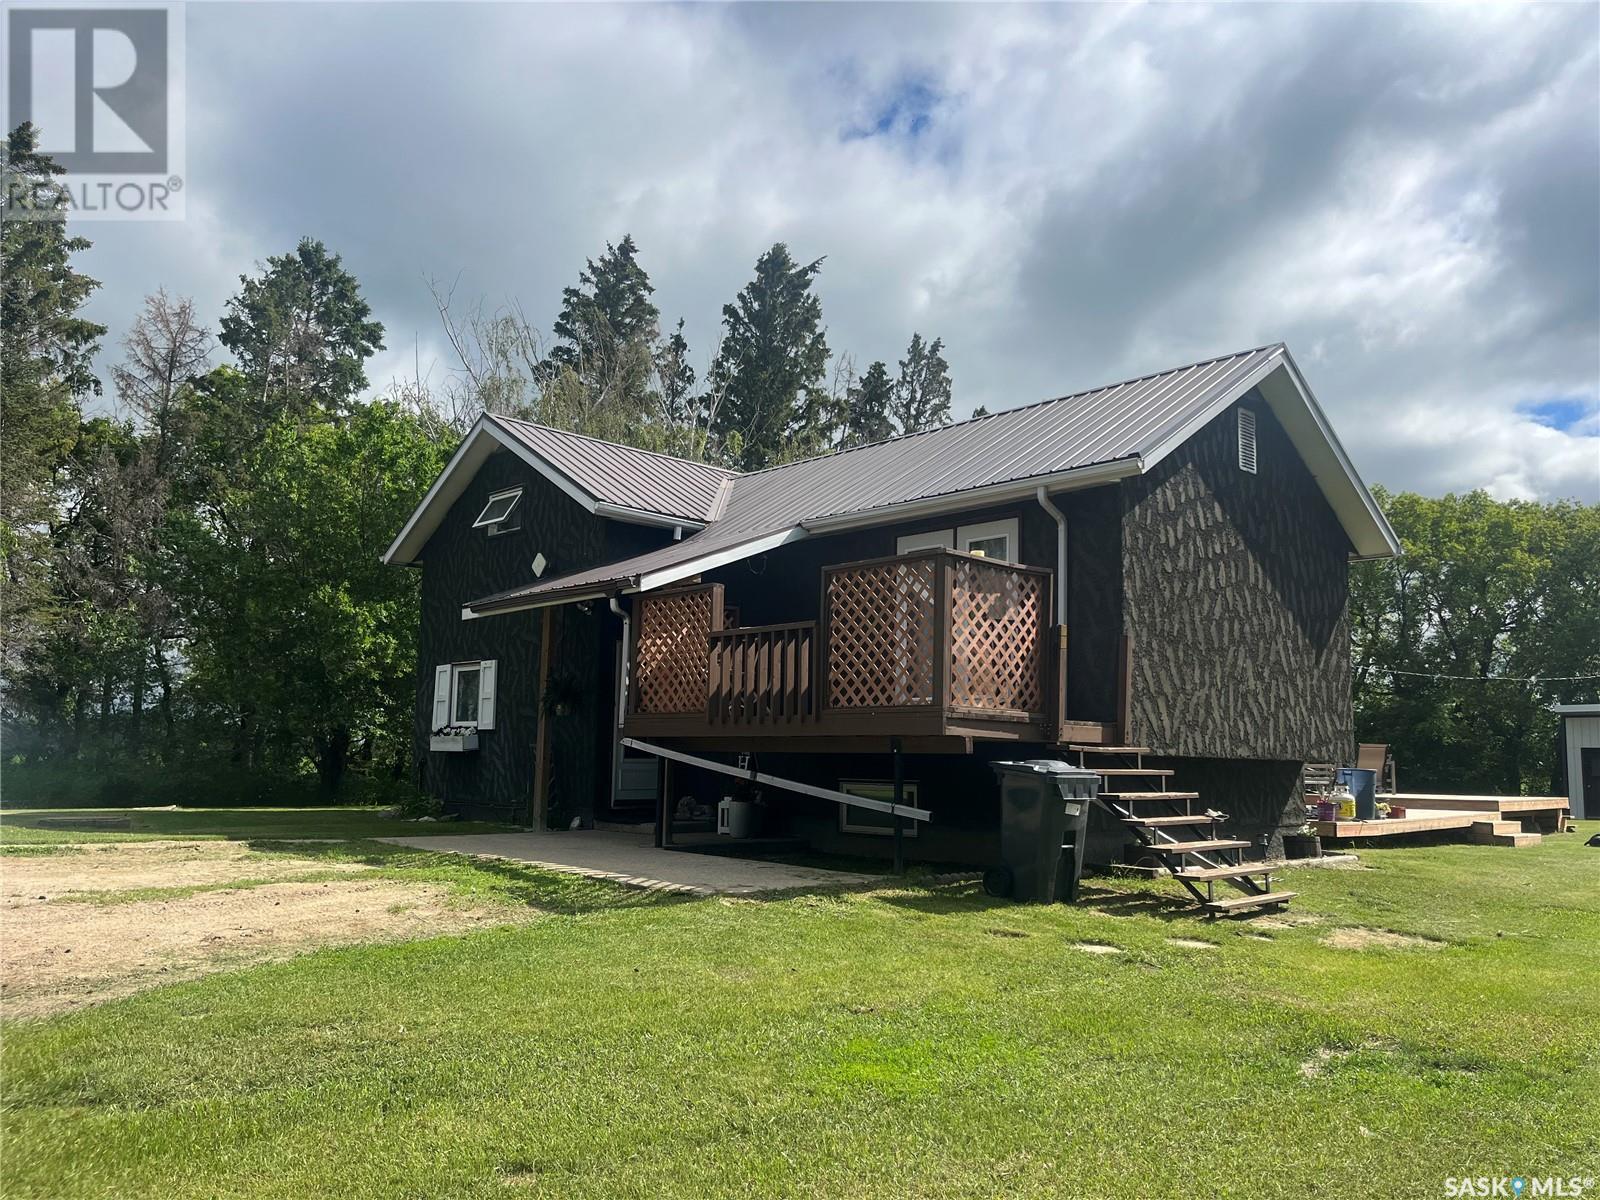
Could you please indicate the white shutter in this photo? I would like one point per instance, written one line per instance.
(441, 696)
(486, 674)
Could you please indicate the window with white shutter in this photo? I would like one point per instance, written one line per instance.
(441, 696)
(463, 694)
(1247, 440)
(486, 682)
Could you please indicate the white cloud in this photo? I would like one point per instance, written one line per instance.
(1410, 196)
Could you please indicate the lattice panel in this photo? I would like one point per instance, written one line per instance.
(880, 634)
(671, 664)
(996, 619)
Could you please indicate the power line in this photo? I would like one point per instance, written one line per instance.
(1487, 678)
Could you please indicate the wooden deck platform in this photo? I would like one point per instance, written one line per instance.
(1428, 812)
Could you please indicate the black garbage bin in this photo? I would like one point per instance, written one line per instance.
(1044, 821)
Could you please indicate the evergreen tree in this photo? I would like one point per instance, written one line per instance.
(867, 407)
(922, 393)
(675, 378)
(772, 366)
(609, 309)
(302, 333)
(597, 378)
(46, 352)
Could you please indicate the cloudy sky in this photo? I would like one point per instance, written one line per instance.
(1408, 196)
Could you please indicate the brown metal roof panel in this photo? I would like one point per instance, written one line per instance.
(626, 476)
(1088, 428)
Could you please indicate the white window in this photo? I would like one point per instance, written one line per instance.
(463, 694)
(500, 513)
(934, 539)
(1247, 440)
(992, 539)
(869, 820)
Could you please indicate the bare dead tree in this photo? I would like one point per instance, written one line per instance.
(166, 347)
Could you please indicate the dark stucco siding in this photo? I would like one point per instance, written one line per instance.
(1235, 593)
(459, 563)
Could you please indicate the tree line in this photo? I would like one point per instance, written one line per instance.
(771, 392)
(1461, 645)
(193, 578)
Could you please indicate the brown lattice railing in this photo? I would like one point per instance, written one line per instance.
(880, 632)
(923, 633)
(671, 669)
(998, 625)
(936, 628)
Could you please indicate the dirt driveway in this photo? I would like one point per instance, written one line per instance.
(90, 923)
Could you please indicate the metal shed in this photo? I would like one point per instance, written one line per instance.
(1579, 749)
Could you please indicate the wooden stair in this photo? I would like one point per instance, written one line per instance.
(1502, 833)
(1198, 863)
(1164, 822)
(1163, 797)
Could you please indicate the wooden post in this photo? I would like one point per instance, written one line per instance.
(1059, 680)
(664, 811)
(539, 818)
(1125, 692)
(899, 799)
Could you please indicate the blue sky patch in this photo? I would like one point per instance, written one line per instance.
(906, 111)
(1565, 413)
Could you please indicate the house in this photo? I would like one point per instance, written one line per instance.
(1578, 752)
(1160, 564)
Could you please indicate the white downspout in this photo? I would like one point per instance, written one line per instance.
(627, 649)
(1061, 552)
(622, 699)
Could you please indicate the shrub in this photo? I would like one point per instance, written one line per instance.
(187, 785)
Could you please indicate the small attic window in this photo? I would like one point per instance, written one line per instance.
(1247, 440)
(498, 514)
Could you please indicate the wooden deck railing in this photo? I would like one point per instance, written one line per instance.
(925, 635)
(937, 628)
(671, 670)
(762, 675)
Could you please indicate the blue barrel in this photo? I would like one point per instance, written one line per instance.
(1363, 785)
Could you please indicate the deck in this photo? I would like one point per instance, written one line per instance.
(936, 647)
(1429, 812)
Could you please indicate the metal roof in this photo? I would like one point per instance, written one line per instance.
(624, 475)
(1085, 438)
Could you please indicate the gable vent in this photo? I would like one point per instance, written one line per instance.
(1247, 440)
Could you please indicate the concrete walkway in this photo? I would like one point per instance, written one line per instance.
(633, 859)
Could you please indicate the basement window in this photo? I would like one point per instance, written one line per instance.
(500, 515)
(870, 820)
(1247, 440)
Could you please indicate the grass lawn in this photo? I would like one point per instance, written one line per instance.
(917, 1042)
(18, 826)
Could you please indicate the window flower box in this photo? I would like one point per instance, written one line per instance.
(453, 741)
